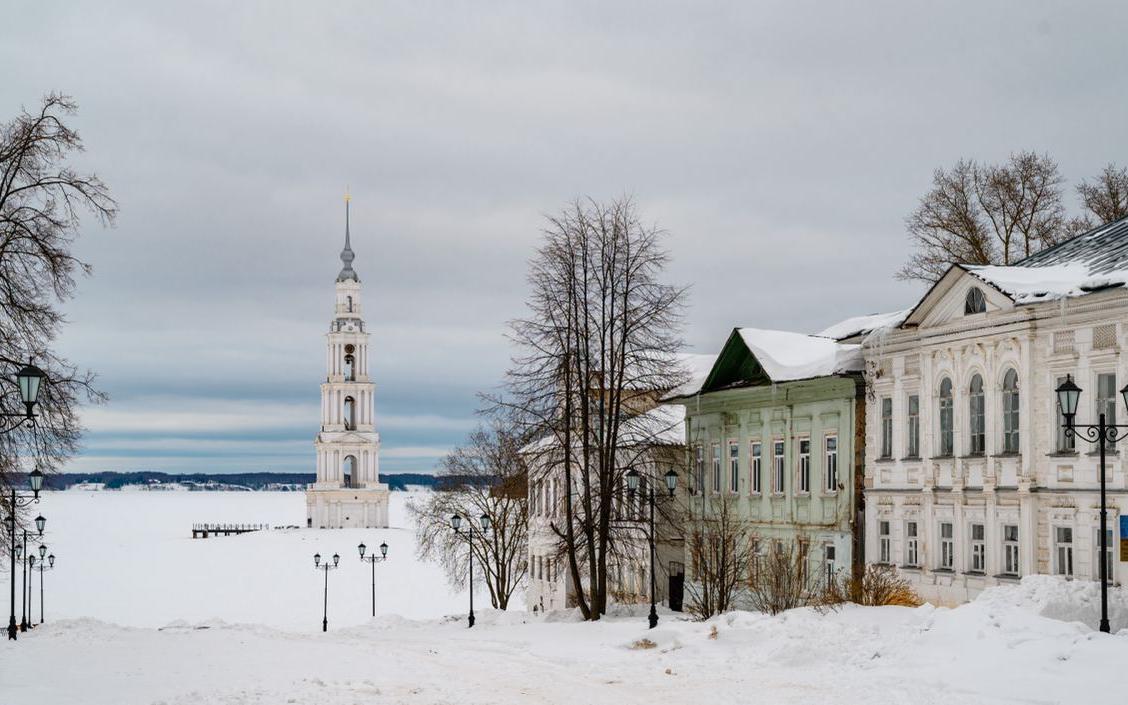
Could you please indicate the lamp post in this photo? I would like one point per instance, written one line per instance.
(45, 562)
(326, 566)
(373, 559)
(35, 481)
(650, 496)
(1101, 433)
(29, 379)
(456, 524)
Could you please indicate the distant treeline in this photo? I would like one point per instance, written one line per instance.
(234, 481)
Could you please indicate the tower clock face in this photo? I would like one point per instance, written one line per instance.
(350, 348)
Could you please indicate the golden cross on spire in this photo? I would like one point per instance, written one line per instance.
(347, 196)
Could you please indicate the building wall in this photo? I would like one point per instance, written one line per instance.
(550, 585)
(1038, 489)
(791, 413)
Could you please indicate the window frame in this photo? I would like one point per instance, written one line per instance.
(886, 411)
(716, 467)
(804, 464)
(734, 466)
(976, 416)
(884, 542)
(977, 556)
(830, 463)
(946, 407)
(947, 546)
(1065, 443)
(1108, 402)
(912, 543)
(1011, 550)
(756, 466)
(912, 427)
(1011, 412)
(779, 466)
(1063, 551)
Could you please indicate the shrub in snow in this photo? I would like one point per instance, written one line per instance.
(877, 586)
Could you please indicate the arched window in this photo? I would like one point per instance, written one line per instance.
(975, 301)
(349, 471)
(1010, 411)
(975, 419)
(946, 444)
(349, 299)
(350, 414)
(350, 371)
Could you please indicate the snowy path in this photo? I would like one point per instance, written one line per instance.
(980, 653)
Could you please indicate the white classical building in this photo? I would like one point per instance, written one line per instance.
(348, 492)
(970, 479)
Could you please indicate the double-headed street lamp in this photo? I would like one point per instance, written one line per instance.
(35, 481)
(1101, 433)
(40, 566)
(650, 496)
(326, 566)
(373, 559)
(456, 524)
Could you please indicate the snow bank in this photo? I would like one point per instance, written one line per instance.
(1064, 600)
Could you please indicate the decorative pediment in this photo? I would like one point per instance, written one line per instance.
(951, 298)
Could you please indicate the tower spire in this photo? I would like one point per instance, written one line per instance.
(347, 254)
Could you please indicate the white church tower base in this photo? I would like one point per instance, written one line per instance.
(348, 492)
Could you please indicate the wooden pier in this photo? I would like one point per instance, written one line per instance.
(203, 531)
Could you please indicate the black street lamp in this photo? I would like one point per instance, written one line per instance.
(326, 566)
(373, 559)
(45, 562)
(456, 524)
(35, 481)
(1068, 396)
(29, 380)
(651, 496)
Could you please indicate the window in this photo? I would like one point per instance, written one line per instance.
(1066, 443)
(804, 464)
(947, 547)
(1010, 412)
(699, 468)
(350, 372)
(883, 542)
(832, 463)
(349, 299)
(756, 470)
(779, 467)
(978, 549)
(1097, 555)
(716, 467)
(946, 444)
(829, 562)
(1063, 550)
(976, 423)
(734, 466)
(886, 427)
(913, 430)
(1106, 401)
(974, 302)
(1010, 549)
(912, 544)
(350, 414)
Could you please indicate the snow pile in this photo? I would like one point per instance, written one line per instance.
(1028, 285)
(787, 356)
(1064, 600)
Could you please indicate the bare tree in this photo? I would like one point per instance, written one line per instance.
(1106, 199)
(41, 198)
(722, 558)
(596, 351)
(486, 476)
(986, 214)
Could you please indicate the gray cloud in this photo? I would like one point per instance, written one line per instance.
(780, 144)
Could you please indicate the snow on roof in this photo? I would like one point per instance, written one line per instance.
(697, 366)
(1096, 259)
(861, 325)
(787, 356)
(1027, 285)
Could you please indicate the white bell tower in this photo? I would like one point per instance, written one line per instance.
(348, 492)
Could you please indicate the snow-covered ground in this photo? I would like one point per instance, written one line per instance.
(239, 618)
(128, 557)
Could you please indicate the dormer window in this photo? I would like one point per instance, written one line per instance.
(975, 302)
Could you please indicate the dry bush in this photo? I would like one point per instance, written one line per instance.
(643, 644)
(782, 579)
(720, 553)
(878, 585)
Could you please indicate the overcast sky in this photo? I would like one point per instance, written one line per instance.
(780, 144)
